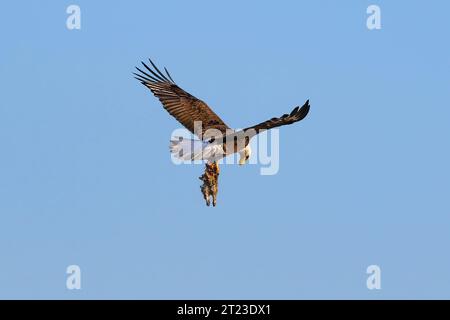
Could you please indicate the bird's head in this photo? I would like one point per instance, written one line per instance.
(245, 155)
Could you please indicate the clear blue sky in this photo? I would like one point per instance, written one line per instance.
(86, 176)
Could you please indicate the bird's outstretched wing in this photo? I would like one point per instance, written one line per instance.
(296, 115)
(183, 106)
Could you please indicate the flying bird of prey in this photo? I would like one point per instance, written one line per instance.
(216, 139)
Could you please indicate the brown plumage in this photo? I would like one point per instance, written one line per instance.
(296, 115)
(183, 106)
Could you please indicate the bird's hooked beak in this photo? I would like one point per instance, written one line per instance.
(245, 155)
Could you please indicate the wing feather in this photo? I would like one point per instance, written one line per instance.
(296, 114)
(183, 106)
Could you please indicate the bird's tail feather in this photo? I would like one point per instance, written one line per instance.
(187, 149)
(191, 150)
